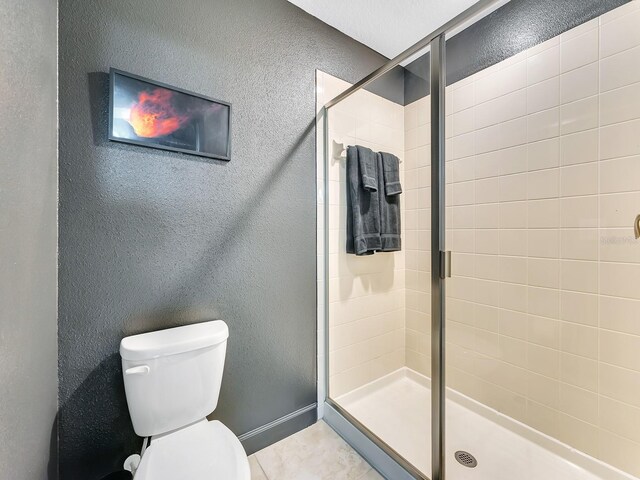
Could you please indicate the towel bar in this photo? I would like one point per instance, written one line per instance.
(339, 151)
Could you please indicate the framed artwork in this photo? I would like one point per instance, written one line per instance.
(151, 114)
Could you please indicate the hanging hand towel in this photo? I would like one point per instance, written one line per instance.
(391, 169)
(389, 198)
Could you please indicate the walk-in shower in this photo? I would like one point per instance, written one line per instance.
(518, 137)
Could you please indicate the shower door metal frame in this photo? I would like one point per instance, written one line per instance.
(439, 258)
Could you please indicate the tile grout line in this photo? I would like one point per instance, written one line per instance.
(598, 445)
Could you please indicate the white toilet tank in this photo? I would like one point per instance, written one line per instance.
(172, 377)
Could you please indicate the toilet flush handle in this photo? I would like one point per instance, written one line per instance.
(141, 370)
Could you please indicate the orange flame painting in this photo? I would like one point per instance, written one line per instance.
(154, 115)
(151, 114)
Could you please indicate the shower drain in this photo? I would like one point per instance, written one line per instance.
(466, 459)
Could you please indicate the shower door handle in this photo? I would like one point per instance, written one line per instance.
(636, 227)
(445, 264)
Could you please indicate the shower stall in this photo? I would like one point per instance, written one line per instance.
(503, 340)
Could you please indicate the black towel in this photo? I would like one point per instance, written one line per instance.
(391, 172)
(389, 199)
(363, 203)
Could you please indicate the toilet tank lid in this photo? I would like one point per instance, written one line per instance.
(173, 340)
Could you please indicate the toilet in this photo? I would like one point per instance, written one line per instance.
(172, 382)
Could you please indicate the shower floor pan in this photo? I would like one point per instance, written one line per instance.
(397, 409)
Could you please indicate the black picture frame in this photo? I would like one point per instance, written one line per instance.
(187, 122)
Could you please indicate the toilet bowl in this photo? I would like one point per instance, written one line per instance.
(172, 381)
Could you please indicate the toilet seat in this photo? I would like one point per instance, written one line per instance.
(203, 451)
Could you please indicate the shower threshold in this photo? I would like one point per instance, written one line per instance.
(397, 409)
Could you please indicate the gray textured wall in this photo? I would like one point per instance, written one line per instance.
(28, 231)
(152, 239)
(511, 29)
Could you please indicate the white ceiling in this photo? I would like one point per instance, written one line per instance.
(387, 26)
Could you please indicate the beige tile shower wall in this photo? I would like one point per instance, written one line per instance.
(417, 237)
(366, 294)
(543, 166)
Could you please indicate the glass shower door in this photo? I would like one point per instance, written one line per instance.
(542, 194)
(377, 304)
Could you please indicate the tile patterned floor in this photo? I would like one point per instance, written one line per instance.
(316, 453)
